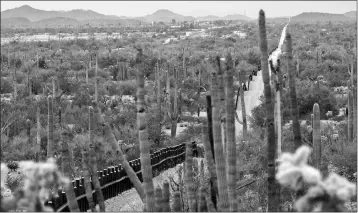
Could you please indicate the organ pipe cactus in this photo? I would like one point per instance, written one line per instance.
(28, 130)
(210, 125)
(50, 151)
(188, 179)
(230, 128)
(293, 98)
(166, 197)
(87, 176)
(177, 203)
(110, 137)
(144, 145)
(93, 162)
(66, 165)
(95, 81)
(211, 164)
(350, 113)
(218, 146)
(355, 116)
(243, 108)
(159, 101)
(38, 135)
(273, 193)
(317, 150)
(202, 200)
(158, 199)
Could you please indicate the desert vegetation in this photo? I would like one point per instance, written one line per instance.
(72, 109)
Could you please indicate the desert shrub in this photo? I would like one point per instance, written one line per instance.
(15, 180)
(6, 85)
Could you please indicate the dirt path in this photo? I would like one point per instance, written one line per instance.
(251, 100)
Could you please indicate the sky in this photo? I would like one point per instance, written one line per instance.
(192, 8)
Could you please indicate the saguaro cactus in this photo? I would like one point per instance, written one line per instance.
(144, 145)
(87, 176)
(158, 199)
(177, 202)
(38, 135)
(273, 194)
(316, 137)
(211, 164)
(293, 98)
(350, 113)
(93, 162)
(159, 101)
(189, 182)
(202, 200)
(66, 164)
(50, 151)
(243, 108)
(218, 146)
(166, 197)
(96, 81)
(230, 128)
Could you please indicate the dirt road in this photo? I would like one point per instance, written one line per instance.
(251, 100)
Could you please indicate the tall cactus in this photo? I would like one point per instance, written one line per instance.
(209, 111)
(293, 98)
(87, 176)
(230, 128)
(159, 101)
(317, 150)
(174, 110)
(158, 199)
(144, 145)
(355, 112)
(273, 193)
(189, 181)
(50, 151)
(177, 204)
(219, 152)
(96, 81)
(243, 108)
(38, 135)
(211, 164)
(93, 162)
(350, 113)
(166, 197)
(202, 200)
(66, 164)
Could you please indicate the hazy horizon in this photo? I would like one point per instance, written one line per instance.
(191, 8)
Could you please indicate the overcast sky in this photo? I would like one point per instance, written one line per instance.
(192, 8)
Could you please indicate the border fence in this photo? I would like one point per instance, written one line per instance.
(114, 180)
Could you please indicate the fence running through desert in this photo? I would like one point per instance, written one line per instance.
(114, 180)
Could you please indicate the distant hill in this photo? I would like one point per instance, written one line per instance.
(320, 17)
(165, 16)
(57, 21)
(351, 14)
(36, 15)
(208, 18)
(15, 22)
(236, 17)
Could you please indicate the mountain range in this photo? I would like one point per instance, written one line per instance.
(28, 16)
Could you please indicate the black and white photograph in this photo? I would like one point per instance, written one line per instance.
(178, 106)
